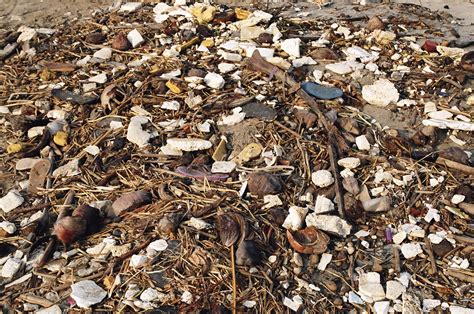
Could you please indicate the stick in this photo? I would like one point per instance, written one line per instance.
(396, 259)
(333, 156)
(234, 282)
(429, 248)
(455, 165)
(257, 63)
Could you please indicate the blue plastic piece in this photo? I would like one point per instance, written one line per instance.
(321, 92)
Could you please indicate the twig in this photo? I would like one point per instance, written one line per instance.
(455, 165)
(429, 248)
(234, 282)
(333, 156)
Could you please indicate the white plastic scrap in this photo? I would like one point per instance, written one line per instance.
(294, 304)
(237, 116)
(381, 307)
(11, 267)
(171, 105)
(8, 227)
(410, 250)
(87, 293)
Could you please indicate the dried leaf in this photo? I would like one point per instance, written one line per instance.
(107, 94)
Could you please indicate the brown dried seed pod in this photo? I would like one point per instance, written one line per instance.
(231, 227)
(121, 42)
(95, 38)
(247, 254)
(262, 183)
(308, 241)
(130, 201)
(70, 229)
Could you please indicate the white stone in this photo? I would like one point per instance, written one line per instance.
(344, 67)
(457, 198)
(362, 142)
(377, 205)
(324, 261)
(169, 151)
(35, 131)
(171, 105)
(250, 32)
(442, 114)
(361, 234)
(381, 93)
(432, 214)
(370, 288)
(430, 304)
(187, 297)
(11, 267)
(151, 294)
(87, 293)
(92, 150)
(271, 201)
(249, 304)
(188, 144)
(236, 117)
(381, 307)
(303, 61)
(323, 205)
(406, 103)
(229, 56)
(214, 80)
(358, 53)
(130, 6)
(8, 227)
(88, 87)
(294, 220)
(349, 162)
(158, 245)
(226, 67)
(264, 52)
(104, 54)
(291, 46)
(456, 309)
(99, 78)
(223, 167)
(135, 132)
(394, 289)
(137, 261)
(331, 224)
(322, 178)
(135, 38)
(399, 237)
(50, 310)
(197, 223)
(410, 250)
(12, 200)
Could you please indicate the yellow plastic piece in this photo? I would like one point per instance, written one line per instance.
(60, 138)
(14, 148)
(242, 14)
(174, 87)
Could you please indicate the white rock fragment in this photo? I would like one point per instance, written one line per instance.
(55, 309)
(344, 67)
(92, 150)
(226, 67)
(357, 53)
(104, 54)
(99, 78)
(354, 298)
(169, 151)
(362, 234)
(432, 214)
(381, 307)
(187, 297)
(370, 288)
(151, 294)
(457, 199)
(430, 304)
(138, 261)
(68, 170)
(188, 144)
(12, 200)
(331, 224)
(171, 105)
(456, 309)
(130, 7)
(293, 304)
(322, 178)
(135, 132)
(135, 38)
(237, 116)
(377, 205)
(394, 289)
(399, 237)
(294, 220)
(8, 227)
(362, 142)
(271, 201)
(223, 167)
(323, 205)
(214, 80)
(291, 46)
(197, 223)
(349, 162)
(410, 250)
(249, 304)
(303, 61)
(324, 261)
(11, 267)
(442, 114)
(87, 293)
(158, 245)
(381, 93)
